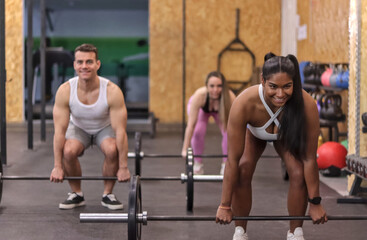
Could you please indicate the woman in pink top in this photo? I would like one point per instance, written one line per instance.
(212, 100)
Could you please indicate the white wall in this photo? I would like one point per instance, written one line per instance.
(289, 26)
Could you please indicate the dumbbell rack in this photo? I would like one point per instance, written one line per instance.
(358, 166)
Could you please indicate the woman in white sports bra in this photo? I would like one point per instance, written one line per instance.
(276, 110)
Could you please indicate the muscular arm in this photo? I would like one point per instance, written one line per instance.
(310, 167)
(236, 143)
(61, 115)
(118, 115)
(196, 104)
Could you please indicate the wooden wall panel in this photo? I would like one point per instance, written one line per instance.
(14, 60)
(353, 34)
(165, 19)
(327, 30)
(210, 27)
(363, 89)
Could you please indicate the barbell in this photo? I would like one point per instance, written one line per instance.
(139, 155)
(135, 217)
(189, 178)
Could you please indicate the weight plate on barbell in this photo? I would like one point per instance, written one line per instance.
(1, 180)
(137, 153)
(135, 207)
(190, 180)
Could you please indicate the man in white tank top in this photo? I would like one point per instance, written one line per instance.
(89, 110)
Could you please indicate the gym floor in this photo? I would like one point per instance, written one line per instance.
(29, 209)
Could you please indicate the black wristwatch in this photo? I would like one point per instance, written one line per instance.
(315, 200)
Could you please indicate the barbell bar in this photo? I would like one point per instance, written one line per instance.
(189, 178)
(139, 155)
(184, 178)
(144, 218)
(135, 217)
(157, 155)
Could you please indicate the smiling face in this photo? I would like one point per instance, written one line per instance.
(214, 87)
(86, 65)
(278, 89)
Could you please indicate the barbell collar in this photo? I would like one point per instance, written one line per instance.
(202, 178)
(183, 178)
(144, 217)
(208, 178)
(103, 217)
(112, 218)
(133, 155)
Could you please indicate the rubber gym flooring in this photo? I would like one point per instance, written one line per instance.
(29, 209)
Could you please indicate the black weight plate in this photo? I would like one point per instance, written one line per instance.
(137, 153)
(190, 181)
(1, 180)
(135, 207)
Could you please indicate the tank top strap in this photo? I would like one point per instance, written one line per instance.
(73, 88)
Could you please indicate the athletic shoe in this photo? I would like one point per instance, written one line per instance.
(297, 235)
(239, 234)
(223, 166)
(109, 201)
(74, 200)
(198, 168)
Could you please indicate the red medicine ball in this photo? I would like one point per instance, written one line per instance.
(331, 154)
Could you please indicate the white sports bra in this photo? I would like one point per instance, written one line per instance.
(260, 132)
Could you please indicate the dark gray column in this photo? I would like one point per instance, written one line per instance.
(30, 72)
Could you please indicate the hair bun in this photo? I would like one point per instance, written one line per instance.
(268, 56)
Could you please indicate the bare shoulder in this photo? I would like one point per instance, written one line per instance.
(114, 94)
(65, 87)
(63, 94)
(199, 97)
(249, 96)
(246, 103)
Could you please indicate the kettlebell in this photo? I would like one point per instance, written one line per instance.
(325, 77)
(334, 76)
(344, 80)
(331, 108)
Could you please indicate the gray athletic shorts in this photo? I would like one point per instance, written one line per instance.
(74, 132)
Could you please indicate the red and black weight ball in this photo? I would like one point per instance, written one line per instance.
(331, 158)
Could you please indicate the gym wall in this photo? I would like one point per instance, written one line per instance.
(14, 60)
(327, 38)
(358, 28)
(327, 31)
(210, 27)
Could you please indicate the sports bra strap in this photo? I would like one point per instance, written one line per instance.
(273, 116)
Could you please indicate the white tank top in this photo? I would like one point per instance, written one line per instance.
(91, 118)
(260, 132)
